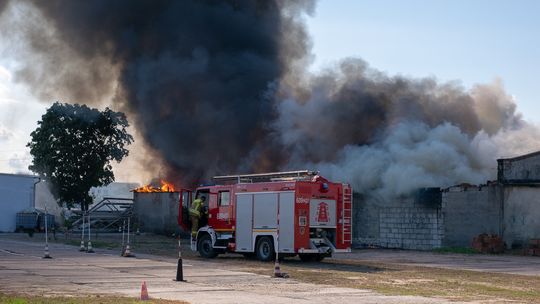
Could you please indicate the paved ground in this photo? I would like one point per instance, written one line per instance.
(70, 272)
(523, 265)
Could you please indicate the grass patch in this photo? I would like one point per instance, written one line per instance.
(462, 250)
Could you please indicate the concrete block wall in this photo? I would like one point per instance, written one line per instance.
(469, 211)
(412, 227)
(522, 169)
(400, 223)
(521, 215)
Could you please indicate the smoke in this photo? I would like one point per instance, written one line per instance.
(392, 135)
(217, 87)
(198, 77)
(50, 67)
(3, 4)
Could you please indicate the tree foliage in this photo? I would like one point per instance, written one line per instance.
(73, 147)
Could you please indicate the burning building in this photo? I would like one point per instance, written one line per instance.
(215, 87)
(234, 95)
(155, 209)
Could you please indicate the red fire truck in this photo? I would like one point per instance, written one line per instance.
(288, 213)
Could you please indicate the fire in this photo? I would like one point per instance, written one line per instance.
(165, 187)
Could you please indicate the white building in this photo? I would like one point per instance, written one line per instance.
(20, 192)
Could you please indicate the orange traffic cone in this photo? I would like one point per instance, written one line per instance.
(144, 292)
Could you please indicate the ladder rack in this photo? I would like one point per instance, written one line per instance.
(347, 214)
(265, 177)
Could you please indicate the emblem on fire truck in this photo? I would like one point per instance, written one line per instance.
(302, 200)
(322, 213)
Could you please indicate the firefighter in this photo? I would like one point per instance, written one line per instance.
(196, 212)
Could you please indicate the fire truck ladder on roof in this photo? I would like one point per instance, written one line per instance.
(108, 214)
(347, 213)
(265, 177)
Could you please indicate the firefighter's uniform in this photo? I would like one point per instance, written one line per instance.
(196, 211)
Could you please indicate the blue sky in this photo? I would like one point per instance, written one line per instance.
(471, 41)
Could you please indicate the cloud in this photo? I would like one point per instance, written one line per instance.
(5, 134)
(5, 75)
(18, 163)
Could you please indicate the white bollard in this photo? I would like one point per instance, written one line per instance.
(127, 252)
(123, 238)
(46, 255)
(89, 249)
(82, 235)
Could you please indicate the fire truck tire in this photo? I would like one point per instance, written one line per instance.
(265, 249)
(311, 257)
(205, 247)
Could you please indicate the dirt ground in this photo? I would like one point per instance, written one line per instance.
(454, 277)
(15, 299)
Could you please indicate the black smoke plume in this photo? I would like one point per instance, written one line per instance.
(3, 4)
(198, 77)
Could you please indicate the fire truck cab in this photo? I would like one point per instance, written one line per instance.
(285, 213)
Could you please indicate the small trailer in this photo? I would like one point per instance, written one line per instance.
(289, 213)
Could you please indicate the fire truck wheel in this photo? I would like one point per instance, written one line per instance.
(205, 247)
(265, 249)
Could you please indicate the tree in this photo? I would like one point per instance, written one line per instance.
(73, 147)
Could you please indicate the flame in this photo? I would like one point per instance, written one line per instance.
(165, 187)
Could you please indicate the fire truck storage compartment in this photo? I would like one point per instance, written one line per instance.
(322, 222)
(244, 225)
(286, 222)
(265, 211)
(257, 214)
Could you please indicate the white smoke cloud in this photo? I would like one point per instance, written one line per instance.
(508, 142)
(494, 108)
(413, 156)
(410, 157)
